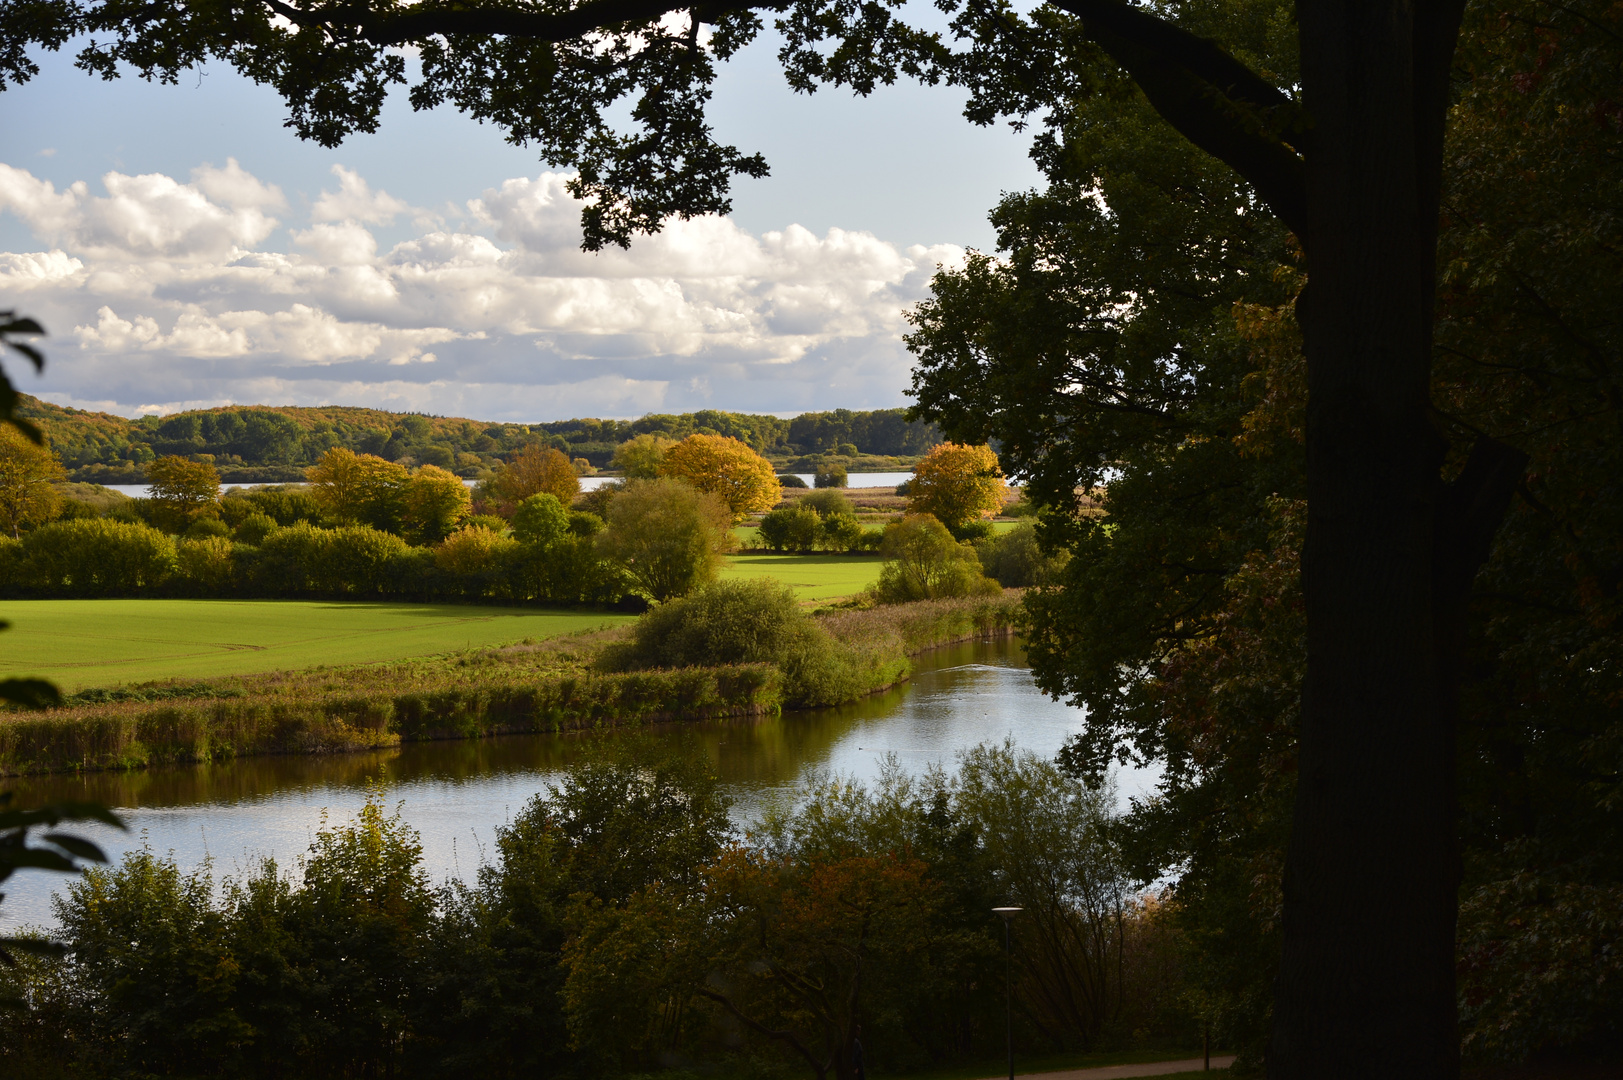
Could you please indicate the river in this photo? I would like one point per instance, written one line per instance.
(456, 793)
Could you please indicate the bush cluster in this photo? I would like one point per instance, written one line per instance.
(97, 557)
(745, 622)
(822, 520)
(925, 562)
(622, 925)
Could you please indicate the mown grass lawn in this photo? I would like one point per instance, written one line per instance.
(813, 577)
(79, 643)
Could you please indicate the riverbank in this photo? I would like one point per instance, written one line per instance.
(550, 686)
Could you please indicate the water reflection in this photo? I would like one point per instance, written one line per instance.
(456, 793)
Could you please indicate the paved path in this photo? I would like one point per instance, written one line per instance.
(1147, 1068)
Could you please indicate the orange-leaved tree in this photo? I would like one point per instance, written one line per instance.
(727, 468)
(536, 469)
(957, 484)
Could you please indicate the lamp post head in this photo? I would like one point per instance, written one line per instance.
(1007, 912)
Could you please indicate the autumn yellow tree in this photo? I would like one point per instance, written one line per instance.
(351, 487)
(26, 472)
(957, 484)
(182, 491)
(535, 470)
(726, 468)
(433, 502)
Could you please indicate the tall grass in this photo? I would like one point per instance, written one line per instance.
(556, 685)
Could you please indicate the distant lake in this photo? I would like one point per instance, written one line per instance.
(590, 483)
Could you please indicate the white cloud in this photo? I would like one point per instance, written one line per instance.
(235, 187)
(356, 201)
(143, 217)
(170, 298)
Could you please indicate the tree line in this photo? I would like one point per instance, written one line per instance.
(259, 443)
(363, 526)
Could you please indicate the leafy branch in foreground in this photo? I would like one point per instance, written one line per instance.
(12, 326)
(59, 851)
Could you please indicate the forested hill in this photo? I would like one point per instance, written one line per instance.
(263, 443)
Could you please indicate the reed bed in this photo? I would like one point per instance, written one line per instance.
(550, 686)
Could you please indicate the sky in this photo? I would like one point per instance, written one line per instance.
(184, 250)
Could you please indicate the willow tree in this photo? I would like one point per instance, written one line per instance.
(1347, 154)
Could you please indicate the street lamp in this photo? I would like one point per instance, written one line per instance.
(1008, 914)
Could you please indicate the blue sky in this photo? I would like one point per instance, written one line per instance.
(184, 249)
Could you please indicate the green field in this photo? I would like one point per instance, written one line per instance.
(814, 577)
(79, 643)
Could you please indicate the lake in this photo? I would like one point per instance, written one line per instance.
(457, 793)
(592, 483)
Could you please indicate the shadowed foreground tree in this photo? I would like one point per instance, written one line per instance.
(1345, 150)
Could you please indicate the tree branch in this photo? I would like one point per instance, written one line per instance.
(425, 21)
(1211, 98)
(788, 1037)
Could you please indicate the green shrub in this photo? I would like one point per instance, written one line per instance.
(98, 557)
(540, 519)
(585, 524)
(205, 527)
(826, 501)
(840, 532)
(235, 508)
(70, 509)
(255, 527)
(728, 622)
(1016, 559)
(596, 502)
(972, 531)
(790, 528)
(745, 622)
(493, 522)
(829, 476)
(205, 565)
(568, 571)
(790, 480)
(288, 559)
(285, 505)
(666, 535)
(926, 563)
(358, 560)
(476, 560)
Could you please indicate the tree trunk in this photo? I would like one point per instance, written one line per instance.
(1366, 984)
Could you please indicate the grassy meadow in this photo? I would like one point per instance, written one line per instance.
(566, 682)
(83, 643)
(817, 577)
(80, 643)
